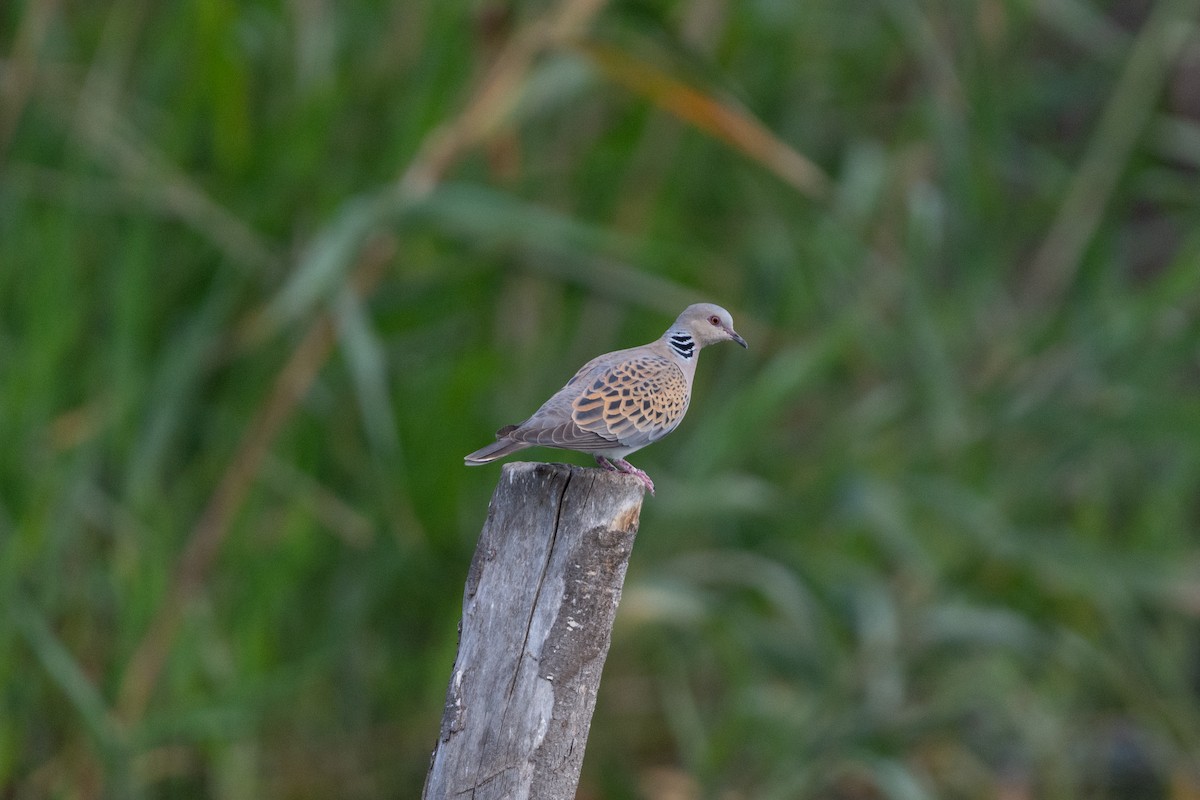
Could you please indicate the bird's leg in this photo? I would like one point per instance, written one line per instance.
(608, 465)
(624, 466)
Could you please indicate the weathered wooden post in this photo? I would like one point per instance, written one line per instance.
(538, 610)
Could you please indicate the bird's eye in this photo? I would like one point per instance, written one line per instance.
(715, 320)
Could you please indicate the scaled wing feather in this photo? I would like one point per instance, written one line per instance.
(632, 402)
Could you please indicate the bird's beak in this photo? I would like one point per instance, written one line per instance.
(736, 337)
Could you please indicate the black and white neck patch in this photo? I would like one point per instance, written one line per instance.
(683, 344)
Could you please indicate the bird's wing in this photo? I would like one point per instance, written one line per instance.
(563, 434)
(633, 400)
(552, 425)
(626, 399)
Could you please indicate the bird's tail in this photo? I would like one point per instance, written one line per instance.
(498, 449)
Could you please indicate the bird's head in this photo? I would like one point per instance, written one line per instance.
(708, 324)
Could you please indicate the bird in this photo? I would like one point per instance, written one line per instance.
(622, 401)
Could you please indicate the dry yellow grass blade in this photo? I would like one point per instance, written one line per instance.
(718, 117)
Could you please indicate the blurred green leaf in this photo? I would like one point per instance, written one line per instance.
(64, 671)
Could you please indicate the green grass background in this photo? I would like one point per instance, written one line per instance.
(268, 270)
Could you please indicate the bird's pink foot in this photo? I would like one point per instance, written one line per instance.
(608, 465)
(629, 469)
(624, 467)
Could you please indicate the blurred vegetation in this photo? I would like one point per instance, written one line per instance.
(269, 269)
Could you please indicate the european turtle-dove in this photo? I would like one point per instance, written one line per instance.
(622, 401)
